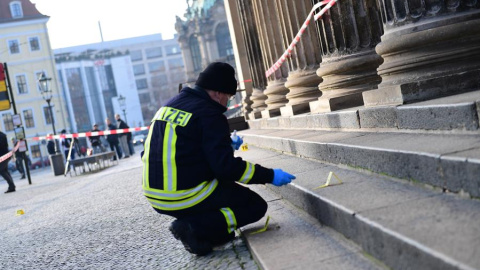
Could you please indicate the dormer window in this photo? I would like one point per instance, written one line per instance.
(16, 9)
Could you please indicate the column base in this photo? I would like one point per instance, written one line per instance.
(291, 110)
(423, 90)
(254, 115)
(270, 113)
(330, 104)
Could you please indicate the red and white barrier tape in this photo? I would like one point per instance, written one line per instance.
(288, 52)
(234, 106)
(89, 134)
(9, 154)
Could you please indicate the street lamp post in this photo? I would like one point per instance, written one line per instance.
(47, 94)
(123, 106)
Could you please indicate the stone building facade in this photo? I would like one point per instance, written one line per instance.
(359, 53)
(204, 36)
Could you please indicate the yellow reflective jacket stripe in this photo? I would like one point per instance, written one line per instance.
(169, 163)
(146, 157)
(174, 195)
(182, 204)
(230, 218)
(248, 173)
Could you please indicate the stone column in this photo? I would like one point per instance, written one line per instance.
(431, 48)
(236, 25)
(302, 80)
(272, 47)
(254, 102)
(349, 33)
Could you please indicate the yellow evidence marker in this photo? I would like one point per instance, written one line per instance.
(328, 181)
(19, 212)
(244, 147)
(262, 229)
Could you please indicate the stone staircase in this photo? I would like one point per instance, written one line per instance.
(409, 197)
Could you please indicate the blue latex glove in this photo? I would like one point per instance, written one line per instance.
(281, 178)
(237, 142)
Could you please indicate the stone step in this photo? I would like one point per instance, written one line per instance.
(458, 113)
(295, 240)
(400, 224)
(450, 162)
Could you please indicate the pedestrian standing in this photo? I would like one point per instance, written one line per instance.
(121, 124)
(190, 171)
(123, 137)
(66, 142)
(4, 164)
(51, 146)
(112, 139)
(19, 160)
(95, 141)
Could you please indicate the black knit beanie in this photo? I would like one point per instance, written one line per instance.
(218, 77)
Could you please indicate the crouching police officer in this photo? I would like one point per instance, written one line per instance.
(190, 172)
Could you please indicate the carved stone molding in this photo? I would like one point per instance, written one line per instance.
(301, 81)
(430, 49)
(349, 32)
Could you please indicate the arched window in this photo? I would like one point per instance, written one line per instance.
(16, 9)
(224, 42)
(196, 55)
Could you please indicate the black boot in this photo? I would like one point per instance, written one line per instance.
(10, 190)
(184, 232)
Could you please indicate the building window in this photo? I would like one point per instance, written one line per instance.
(47, 115)
(224, 42)
(21, 84)
(153, 52)
(195, 50)
(35, 149)
(28, 117)
(7, 121)
(136, 55)
(175, 63)
(172, 49)
(145, 98)
(160, 81)
(141, 84)
(16, 9)
(34, 43)
(156, 66)
(13, 46)
(138, 69)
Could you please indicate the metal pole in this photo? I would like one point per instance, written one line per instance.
(125, 116)
(57, 147)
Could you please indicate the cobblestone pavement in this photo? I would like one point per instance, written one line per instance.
(96, 221)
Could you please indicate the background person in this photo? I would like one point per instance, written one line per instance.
(51, 146)
(112, 139)
(95, 141)
(19, 160)
(128, 135)
(4, 164)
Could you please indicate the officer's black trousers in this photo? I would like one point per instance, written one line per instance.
(208, 221)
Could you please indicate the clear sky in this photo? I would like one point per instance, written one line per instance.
(75, 22)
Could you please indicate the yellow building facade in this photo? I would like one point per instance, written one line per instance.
(25, 47)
